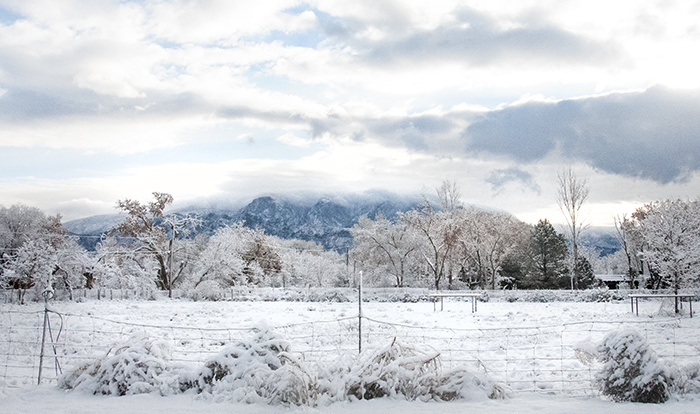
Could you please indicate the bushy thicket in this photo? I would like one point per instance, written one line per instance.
(263, 370)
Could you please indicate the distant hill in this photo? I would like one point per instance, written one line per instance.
(324, 220)
(602, 239)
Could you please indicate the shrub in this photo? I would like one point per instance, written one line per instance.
(403, 371)
(261, 369)
(257, 370)
(138, 366)
(631, 371)
(207, 290)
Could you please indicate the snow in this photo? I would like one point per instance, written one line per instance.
(48, 399)
(326, 332)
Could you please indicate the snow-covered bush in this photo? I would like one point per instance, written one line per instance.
(689, 381)
(207, 290)
(136, 367)
(631, 370)
(540, 296)
(599, 295)
(257, 370)
(405, 372)
(262, 369)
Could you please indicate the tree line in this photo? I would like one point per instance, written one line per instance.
(441, 246)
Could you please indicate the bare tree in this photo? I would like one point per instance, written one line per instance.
(448, 194)
(572, 194)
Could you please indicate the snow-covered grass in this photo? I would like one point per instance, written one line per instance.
(520, 346)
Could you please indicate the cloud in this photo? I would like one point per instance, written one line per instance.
(499, 178)
(477, 39)
(653, 134)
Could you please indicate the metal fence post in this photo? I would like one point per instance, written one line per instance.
(359, 317)
(46, 294)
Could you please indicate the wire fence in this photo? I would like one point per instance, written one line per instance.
(40, 346)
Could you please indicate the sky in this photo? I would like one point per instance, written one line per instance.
(227, 100)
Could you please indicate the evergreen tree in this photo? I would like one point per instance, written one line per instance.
(547, 257)
(584, 270)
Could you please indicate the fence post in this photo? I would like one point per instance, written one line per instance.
(47, 294)
(359, 317)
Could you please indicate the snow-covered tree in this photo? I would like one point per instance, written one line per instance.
(71, 266)
(572, 194)
(29, 241)
(671, 233)
(439, 233)
(384, 245)
(485, 241)
(160, 239)
(31, 267)
(120, 266)
(222, 259)
(627, 233)
(547, 254)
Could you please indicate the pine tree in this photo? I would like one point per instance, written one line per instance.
(547, 256)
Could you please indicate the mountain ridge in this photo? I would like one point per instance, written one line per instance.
(326, 220)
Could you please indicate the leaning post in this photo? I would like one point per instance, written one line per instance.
(47, 294)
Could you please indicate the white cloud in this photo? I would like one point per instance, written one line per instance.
(293, 140)
(368, 81)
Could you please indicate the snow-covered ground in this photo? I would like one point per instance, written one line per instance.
(531, 347)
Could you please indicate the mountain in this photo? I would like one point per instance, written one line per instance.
(602, 239)
(325, 220)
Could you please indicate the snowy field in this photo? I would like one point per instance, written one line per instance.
(535, 349)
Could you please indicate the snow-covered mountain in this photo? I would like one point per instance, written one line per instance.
(325, 220)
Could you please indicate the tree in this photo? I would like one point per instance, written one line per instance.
(572, 193)
(385, 244)
(449, 196)
(222, 258)
(439, 232)
(547, 256)
(486, 239)
(628, 236)
(140, 223)
(585, 272)
(671, 233)
(29, 240)
(31, 267)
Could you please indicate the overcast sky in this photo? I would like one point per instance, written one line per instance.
(103, 100)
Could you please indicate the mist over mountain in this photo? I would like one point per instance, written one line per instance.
(324, 219)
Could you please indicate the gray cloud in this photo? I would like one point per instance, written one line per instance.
(499, 178)
(653, 134)
(477, 39)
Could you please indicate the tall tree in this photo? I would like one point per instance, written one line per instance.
(572, 194)
(547, 255)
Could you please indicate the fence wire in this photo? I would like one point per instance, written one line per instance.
(526, 358)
